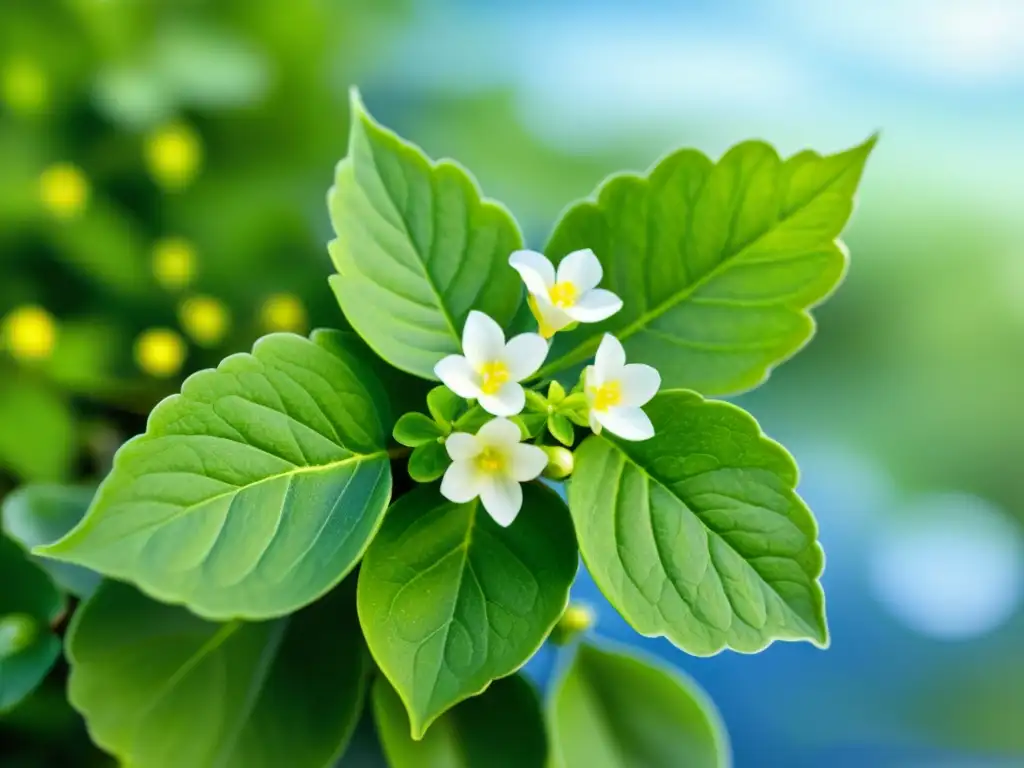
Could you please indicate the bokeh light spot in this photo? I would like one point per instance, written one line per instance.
(950, 567)
(174, 262)
(30, 333)
(64, 190)
(174, 154)
(24, 87)
(205, 319)
(160, 352)
(284, 312)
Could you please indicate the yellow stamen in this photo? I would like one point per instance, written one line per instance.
(607, 395)
(490, 460)
(494, 375)
(563, 294)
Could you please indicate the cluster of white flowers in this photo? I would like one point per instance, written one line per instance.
(494, 462)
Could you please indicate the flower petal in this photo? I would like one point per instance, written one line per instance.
(462, 482)
(507, 401)
(537, 272)
(500, 433)
(483, 341)
(626, 422)
(527, 462)
(639, 383)
(550, 318)
(462, 446)
(582, 269)
(458, 375)
(502, 497)
(595, 424)
(609, 360)
(595, 306)
(524, 354)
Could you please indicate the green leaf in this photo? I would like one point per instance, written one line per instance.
(36, 515)
(29, 603)
(428, 462)
(415, 429)
(530, 424)
(698, 534)
(615, 711)
(444, 405)
(535, 401)
(417, 248)
(450, 601)
(38, 436)
(253, 492)
(503, 727)
(556, 393)
(472, 420)
(162, 688)
(718, 264)
(561, 429)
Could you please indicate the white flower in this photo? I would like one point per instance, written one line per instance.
(491, 464)
(569, 296)
(491, 369)
(615, 392)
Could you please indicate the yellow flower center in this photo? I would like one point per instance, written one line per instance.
(494, 375)
(607, 395)
(563, 294)
(490, 460)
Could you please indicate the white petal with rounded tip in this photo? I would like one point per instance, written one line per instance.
(483, 341)
(524, 354)
(462, 482)
(595, 425)
(609, 359)
(554, 317)
(537, 272)
(582, 269)
(628, 423)
(458, 375)
(639, 383)
(502, 497)
(462, 446)
(595, 306)
(500, 433)
(507, 401)
(528, 461)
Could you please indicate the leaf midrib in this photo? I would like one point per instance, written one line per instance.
(589, 346)
(420, 259)
(58, 546)
(814, 631)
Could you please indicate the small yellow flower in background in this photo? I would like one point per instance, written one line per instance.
(64, 190)
(30, 333)
(205, 319)
(284, 312)
(24, 87)
(160, 352)
(174, 154)
(174, 262)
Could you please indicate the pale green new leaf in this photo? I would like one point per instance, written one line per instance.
(718, 264)
(35, 515)
(503, 727)
(613, 710)
(29, 603)
(698, 534)
(449, 600)
(417, 248)
(161, 688)
(251, 493)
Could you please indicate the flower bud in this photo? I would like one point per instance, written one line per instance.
(560, 462)
(17, 632)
